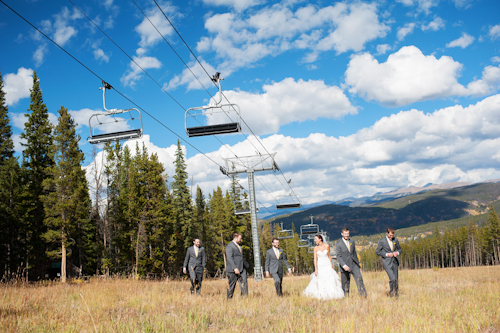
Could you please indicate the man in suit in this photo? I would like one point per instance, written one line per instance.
(275, 257)
(349, 263)
(389, 249)
(236, 266)
(195, 262)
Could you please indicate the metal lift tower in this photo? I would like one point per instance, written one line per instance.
(249, 165)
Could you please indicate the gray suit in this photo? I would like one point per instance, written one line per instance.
(349, 257)
(195, 265)
(391, 264)
(234, 259)
(274, 265)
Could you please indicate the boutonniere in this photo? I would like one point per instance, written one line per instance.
(350, 244)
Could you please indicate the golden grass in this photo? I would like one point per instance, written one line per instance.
(445, 300)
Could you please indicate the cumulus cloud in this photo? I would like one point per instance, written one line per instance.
(422, 5)
(238, 5)
(494, 31)
(241, 39)
(17, 86)
(464, 41)
(149, 35)
(405, 30)
(132, 75)
(435, 25)
(286, 102)
(409, 76)
(39, 54)
(383, 48)
(192, 82)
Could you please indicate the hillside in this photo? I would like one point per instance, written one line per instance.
(454, 205)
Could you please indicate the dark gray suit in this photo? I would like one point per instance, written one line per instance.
(349, 258)
(274, 265)
(195, 265)
(391, 264)
(234, 259)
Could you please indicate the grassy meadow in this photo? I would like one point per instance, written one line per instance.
(443, 300)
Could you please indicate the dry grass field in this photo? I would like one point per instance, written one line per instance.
(444, 300)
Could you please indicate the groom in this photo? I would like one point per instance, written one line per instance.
(349, 263)
(275, 257)
(389, 249)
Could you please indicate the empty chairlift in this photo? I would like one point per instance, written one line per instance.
(284, 233)
(286, 202)
(309, 230)
(107, 121)
(242, 207)
(212, 115)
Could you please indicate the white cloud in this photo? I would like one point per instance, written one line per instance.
(406, 30)
(494, 31)
(383, 48)
(100, 55)
(39, 54)
(16, 139)
(495, 59)
(422, 5)
(241, 39)
(238, 5)
(409, 76)
(17, 86)
(464, 41)
(286, 102)
(132, 75)
(435, 25)
(149, 34)
(187, 77)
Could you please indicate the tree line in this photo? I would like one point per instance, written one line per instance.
(462, 247)
(125, 218)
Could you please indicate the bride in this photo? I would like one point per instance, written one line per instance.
(325, 282)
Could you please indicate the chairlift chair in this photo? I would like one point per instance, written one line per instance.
(288, 203)
(111, 116)
(234, 126)
(284, 233)
(243, 209)
(303, 243)
(311, 229)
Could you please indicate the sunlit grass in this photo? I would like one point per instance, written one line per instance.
(446, 300)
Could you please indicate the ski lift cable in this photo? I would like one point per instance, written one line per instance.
(99, 77)
(144, 71)
(199, 62)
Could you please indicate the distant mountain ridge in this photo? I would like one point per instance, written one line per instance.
(374, 199)
(423, 207)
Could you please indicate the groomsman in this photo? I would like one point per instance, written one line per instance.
(349, 263)
(389, 249)
(275, 257)
(236, 267)
(195, 262)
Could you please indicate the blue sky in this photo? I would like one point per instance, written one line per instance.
(355, 97)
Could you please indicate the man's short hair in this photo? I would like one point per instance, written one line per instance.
(274, 239)
(345, 229)
(196, 238)
(390, 230)
(236, 234)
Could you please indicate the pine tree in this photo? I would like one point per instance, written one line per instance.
(493, 224)
(36, 162)
(66, 202)
(182, 205)
(10, 248)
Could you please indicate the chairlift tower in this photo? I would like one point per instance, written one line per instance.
(250, 165)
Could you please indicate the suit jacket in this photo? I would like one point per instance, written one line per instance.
(383, 248)
(192, 261)
(273, 264)
(234, 258)
(344, 256)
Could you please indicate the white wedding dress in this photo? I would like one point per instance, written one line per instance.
(327, 284)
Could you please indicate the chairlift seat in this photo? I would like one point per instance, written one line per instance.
(213, 129)
(125, 135)
(290, 205)
(244, 211)
(284, 234)
(309, 229)
(303, 243)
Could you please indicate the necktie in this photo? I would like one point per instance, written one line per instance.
(196, 251)
(348, 247)
(390, 244)
(276, 253)
(239, 247)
